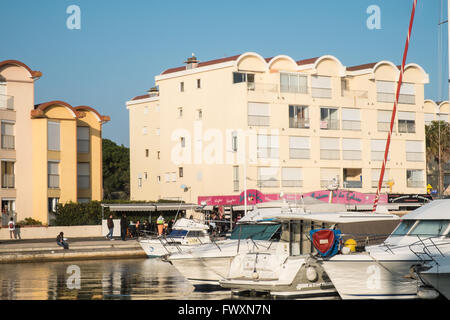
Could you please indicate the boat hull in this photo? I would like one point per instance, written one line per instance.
(154, 248)
(439, 280)
(366, 278)
(203, 270)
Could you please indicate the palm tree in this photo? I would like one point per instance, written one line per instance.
(437, 135)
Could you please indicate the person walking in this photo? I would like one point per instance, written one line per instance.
(110, 224)
(123, 226)
(12, 228)
(61, 241)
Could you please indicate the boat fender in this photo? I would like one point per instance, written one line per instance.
(427, 293)
(255, 275)
(346, 250)
(311, 274)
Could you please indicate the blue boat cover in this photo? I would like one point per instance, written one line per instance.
(326, 241)
(178, 234)
(255, 231)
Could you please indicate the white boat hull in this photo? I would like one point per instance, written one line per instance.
(203, 270)
(154, 248)
(365, 278)
(439, 278)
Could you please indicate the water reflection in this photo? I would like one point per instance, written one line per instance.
(106, 279)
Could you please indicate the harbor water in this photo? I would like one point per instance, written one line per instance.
(126, 279)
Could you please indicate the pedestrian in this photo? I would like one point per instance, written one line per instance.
(61, 241)
(110, 224)
(12, 228)
(160, 222)
(123, 226)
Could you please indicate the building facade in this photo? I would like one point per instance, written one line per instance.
(50, 152)
(287, 126)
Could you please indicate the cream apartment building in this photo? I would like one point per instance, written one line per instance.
(292, 126)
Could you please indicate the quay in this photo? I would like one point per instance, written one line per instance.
(40, 250)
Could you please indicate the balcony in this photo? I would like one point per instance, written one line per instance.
(329, 124)
(8, 181)
(262, 87)
(360, 94)
(6, 102)
(299, 123)
(8, 142)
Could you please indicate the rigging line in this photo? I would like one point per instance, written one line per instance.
(394, 110)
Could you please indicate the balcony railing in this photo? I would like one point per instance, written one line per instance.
(262, 87)
(8, 142)
(415, 184)
(406, 126)
(6, 102)
(329, 124)
(299, 123)
(8, 181)
(293, 89)
(352, 184)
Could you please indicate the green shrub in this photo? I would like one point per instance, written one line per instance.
(90, 213)
(29, 222)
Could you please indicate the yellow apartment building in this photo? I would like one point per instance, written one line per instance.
(51, 152)
(291, 126)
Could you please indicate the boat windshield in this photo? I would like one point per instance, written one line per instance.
(177, 233)
(255, 231)
(403, 227)
(430, 228)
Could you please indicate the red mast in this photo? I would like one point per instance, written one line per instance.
(394, 110)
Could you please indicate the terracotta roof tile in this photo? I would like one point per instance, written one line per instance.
(203, 64)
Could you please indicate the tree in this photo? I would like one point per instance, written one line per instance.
(437, 134)
(116, 170)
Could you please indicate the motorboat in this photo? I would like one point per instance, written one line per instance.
(208, 263)
(258, 230)
(292, 270)
(389, 270)
(185, 235)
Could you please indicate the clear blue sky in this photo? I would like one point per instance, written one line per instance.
(122, 45)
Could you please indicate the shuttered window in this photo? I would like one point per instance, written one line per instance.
(299, 147)
(329, 148)
(83, 174)
(268, 147)
(53, 136)
(258, 114)
(83, 139)
(268, 177)
(351, 119)
(414, 150)
(291, 177)
(351, 149)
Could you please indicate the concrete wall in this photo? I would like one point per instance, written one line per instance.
(52, 232)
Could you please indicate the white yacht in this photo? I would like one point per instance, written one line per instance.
(257, 231)
(186, 234)
(388, 270)
(291, 270)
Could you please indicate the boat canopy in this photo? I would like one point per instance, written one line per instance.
(178, 234)
(435, 210)
(254, 231)
(339, 217)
